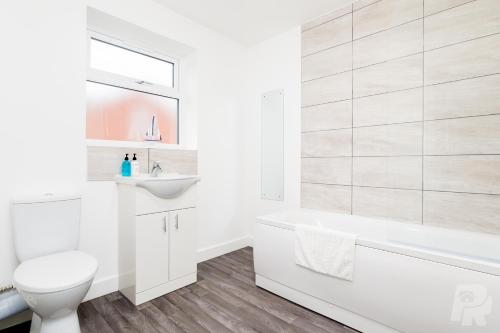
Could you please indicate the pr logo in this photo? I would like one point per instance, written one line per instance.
(472, 305)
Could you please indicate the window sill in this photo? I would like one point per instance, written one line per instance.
(135, 144)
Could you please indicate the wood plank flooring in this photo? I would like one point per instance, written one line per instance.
(225, 299)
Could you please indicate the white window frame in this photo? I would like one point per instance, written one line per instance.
(121, 81)
(114, 79)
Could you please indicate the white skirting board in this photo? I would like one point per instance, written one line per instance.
(329, 310)
(102, 287)
(220, 249)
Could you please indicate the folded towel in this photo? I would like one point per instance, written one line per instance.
(325, 251)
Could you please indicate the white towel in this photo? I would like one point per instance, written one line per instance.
(325, 251)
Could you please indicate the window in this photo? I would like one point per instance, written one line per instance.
(132, 94)
(118, 60)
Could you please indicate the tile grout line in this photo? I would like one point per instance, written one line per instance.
(402, 123)
(401, 188)
(400, 57)
(356, 39)
(363, 67)
(368, 5)
(326, 22)
(463, 79)
(423, 17)
(402, 90)
(423, 106)
(352, 110)
(369, 35)
(388, 60)
(450, 8)
(389, 28)
(409, 155)
(326, 76)
(325, 49)
(439, 11)
(462, 42)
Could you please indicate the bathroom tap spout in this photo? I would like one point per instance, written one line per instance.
(156, 170)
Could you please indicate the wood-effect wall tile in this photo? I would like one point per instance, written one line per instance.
(401, 172)
(385, 14)
(327, 116)
(472, 20)
(393, 204)
(328, 62)
(327, 18)
(327, 143)
(336, 170)
(464, 98)
(175, 161)
(399, 74)
(474, 135)
(388, 140)
(468, 173)
(327, 90)
(405, 103)
(389, 44)
(473, 212)
(331, 198)
(435, 6)
(357, 5)
(390, 108)
(462, 61)
(104, 163)
(329, 34)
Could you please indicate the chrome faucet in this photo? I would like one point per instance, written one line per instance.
(156, 170)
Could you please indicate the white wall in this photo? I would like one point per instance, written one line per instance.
(43, 133)
(273, 64)
(42, 130)
(42, 94)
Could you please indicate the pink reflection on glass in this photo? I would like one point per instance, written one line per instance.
(125, 115)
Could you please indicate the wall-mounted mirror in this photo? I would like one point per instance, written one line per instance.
(272, 177)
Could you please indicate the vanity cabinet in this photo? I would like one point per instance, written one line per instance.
(182, 234)
(152, 251)
(157, 243)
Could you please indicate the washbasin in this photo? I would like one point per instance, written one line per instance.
(165, 186)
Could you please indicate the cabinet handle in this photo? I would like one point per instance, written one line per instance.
(165, 224)
(177, 221)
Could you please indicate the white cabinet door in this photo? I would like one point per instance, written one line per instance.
(151, 250)
(182, 242)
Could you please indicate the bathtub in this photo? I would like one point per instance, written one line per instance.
(408, 278)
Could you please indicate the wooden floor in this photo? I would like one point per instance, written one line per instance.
(225, 299)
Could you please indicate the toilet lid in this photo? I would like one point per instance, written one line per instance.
(55, 272)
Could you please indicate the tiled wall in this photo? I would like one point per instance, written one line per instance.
(401, 112)
(104, 163)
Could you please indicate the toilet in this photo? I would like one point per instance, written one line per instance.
(53, 277)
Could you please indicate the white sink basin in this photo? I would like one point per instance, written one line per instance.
(166, 186)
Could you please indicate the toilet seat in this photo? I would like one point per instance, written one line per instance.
(55, 272)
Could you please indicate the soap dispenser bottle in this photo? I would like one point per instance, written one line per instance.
(126, 167)
(135, 166)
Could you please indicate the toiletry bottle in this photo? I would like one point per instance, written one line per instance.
(135, 166)
(126, 167)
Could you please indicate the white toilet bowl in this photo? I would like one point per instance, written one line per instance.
(54, 286)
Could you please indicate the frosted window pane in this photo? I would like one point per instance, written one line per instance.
(126, 115)
(114, 59)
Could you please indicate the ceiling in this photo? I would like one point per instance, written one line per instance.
(252, 21)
